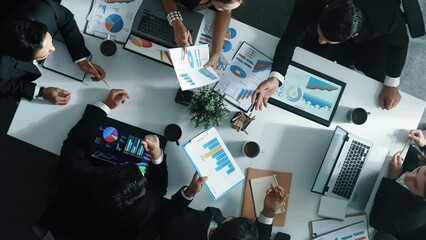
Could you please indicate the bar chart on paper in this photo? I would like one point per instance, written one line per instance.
(210, 157)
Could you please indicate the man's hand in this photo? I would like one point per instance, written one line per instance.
(93, 69)
(183, 37)
(389, 97)
(56, 95)
(195, 186)
(116, 97)
(213, 61)
(417, 136)
(151, 143)
(274, 200)
(265, 90)
(395, 166)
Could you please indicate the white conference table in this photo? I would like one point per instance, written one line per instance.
(289, 142)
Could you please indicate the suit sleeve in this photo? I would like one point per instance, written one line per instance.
(69, 30)
(19, 88)
(398, 47)
(264, 230)
(158, 177)
(379, 214)
(292, 37)
(78, 143)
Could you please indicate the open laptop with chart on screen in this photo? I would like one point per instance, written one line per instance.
(350, 168)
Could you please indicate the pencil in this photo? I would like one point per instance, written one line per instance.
(96, 71)
(406, 145)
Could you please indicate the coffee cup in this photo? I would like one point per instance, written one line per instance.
(108, 47)
(173, 133)
(357, 116)
(251, 149)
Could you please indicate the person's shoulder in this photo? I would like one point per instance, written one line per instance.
(6, 63)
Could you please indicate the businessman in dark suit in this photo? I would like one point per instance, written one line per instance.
(400, 203)
(369, 35)
(106, 201)
(28, 35)
(177, 221)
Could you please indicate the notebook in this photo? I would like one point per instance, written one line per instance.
(259, 186)
(248, 208)
(60, 61)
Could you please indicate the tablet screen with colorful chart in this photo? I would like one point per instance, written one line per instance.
(248, 68)
(309, 93)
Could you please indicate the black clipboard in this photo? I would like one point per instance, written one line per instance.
(305, 101)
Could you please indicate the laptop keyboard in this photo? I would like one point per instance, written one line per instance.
(351, 169)
(157, 27)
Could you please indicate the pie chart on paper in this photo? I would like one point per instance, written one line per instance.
(114, 23)
(110, 134)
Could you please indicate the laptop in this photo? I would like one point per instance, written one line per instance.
(151, 23)
(120, 143)
(350, 168)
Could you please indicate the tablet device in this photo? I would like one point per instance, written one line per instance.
(309, 93)
(120, 143)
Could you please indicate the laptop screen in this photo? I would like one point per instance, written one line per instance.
(330, 159)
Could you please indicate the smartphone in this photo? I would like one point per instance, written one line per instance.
(282, 236)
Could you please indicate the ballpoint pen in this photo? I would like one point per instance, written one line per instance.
(96, 71)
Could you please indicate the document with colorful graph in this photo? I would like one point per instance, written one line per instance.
(248, 68)
(210, 157)
(309, 93)
(112, 18)
(232, 36)
(189, 67)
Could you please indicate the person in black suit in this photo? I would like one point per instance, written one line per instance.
(369, 35)
(400, 203)
(107, 201)
(28, 36)
(177, 221)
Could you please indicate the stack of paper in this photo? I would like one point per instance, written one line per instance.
(112, 18)
(352, 227)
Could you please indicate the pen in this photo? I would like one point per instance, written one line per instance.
(184, 49)
(406, 145)
(96, 71)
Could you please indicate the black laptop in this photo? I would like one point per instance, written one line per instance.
(151, 23)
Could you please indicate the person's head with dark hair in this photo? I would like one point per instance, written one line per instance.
(226, 5)
(339, 21)
(119, 189)
(239, 228)
(29, 40)
(416, 181)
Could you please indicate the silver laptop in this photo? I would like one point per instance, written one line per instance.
(350, 168)
(151, 23)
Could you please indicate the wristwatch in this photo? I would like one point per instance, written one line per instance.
(40, 93)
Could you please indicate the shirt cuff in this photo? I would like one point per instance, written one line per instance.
(36, 90)
(391, 81)
(265, 220)
(159, 160)
(183, 194)
(277, 75)
(80, 60)
(102, 106)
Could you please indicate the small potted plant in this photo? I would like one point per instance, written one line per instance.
(207, 107)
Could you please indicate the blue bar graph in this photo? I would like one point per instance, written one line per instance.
(216, 152)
